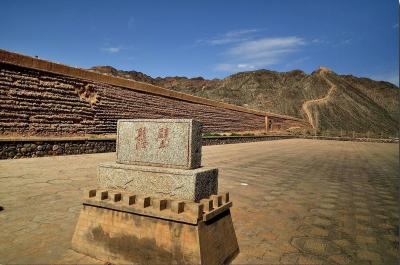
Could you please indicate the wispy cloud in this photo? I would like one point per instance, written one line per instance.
(111, 49)
(131, 22)
(266, 47)
(253, 54)
(320, 41)
(297, 62)
(395, 26)
(231, 67)
(233, 36)
(346, 42)
(245, 49)
(332, 43)
(240, 32)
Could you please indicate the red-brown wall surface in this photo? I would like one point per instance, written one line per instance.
(53, 99)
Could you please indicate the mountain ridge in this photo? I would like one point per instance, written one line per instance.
(327, 100)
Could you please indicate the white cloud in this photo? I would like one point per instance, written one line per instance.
(244, 66)
(228, 67)
(233, 36)
(320, 41)
(111, 49)
(240, 32)
(246, 52)
(253, 54)
(266, 47)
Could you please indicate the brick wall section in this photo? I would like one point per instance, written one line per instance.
(42, 104)
(39, 103)
(43, 98)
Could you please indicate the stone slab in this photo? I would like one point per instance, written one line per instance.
(172, 143)
(192, 184)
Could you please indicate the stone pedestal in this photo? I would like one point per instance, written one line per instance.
(128, 228)
(192, 184)
(155, 204)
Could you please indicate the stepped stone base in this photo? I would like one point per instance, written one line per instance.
(192, 184)
(123, 236)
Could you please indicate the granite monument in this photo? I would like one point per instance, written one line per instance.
(156, 204)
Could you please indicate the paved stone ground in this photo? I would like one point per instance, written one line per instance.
(295, 202)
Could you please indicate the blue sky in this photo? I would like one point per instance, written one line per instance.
(209, 38)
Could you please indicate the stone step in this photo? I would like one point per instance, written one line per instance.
(164, 208)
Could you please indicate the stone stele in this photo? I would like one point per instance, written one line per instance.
(172, 143)
(155, 204)
(193, 184)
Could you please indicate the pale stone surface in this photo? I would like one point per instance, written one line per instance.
(193, 184)
(163, 142)
(289, 182)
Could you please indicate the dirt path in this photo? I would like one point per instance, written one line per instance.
(325, 99)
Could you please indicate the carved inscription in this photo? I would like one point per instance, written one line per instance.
(156, 142)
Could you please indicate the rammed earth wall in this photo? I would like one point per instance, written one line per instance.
(43, 98)
(39, 103)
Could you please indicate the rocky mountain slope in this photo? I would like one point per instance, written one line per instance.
(328, 100)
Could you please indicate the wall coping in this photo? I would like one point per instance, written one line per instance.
(114, 138)
(57, 68)
(79, 139)
(55, 139)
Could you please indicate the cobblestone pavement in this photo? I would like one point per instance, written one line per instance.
(295, 202)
